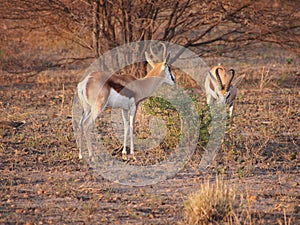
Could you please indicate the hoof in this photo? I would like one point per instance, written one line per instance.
(92, 158)
(133, 157)
(124, 156)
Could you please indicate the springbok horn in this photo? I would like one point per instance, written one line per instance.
(219, 78)
(164, 53)
(227, 85)
(152, 53)
(168, 58)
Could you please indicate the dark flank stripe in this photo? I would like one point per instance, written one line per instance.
(119, 87)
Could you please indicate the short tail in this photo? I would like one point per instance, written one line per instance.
(81, 91)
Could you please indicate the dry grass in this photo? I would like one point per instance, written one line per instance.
(42, 181)
(212, 203)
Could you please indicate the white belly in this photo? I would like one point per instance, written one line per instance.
(115, 100)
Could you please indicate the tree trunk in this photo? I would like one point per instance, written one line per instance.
(96, 27)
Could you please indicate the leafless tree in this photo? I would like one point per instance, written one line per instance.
(208, 27)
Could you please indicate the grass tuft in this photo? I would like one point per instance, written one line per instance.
(212, 203)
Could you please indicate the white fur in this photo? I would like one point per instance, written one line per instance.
(115, 100)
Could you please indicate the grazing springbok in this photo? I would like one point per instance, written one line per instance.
(221, 88)
(98, 90)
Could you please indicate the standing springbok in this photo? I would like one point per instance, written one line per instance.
(220, 87)
(98, 90)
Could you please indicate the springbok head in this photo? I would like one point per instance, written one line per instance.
(221, 83)
(161, 67)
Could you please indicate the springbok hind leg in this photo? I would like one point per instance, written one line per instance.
(231, 110)
(88, 125)
(81, 132)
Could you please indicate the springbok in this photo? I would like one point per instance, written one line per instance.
(220, 87)
(98, 90)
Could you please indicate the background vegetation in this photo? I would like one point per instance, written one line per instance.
(52, 33)
(44, 47)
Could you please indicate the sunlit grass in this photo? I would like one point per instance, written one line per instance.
(212, 203)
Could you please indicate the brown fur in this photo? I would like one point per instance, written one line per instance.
(120, 84)
(225, 78)
(125, 85)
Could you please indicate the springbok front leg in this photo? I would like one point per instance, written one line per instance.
(231, 109)
(131, 128)
(131, 122)
(126, 127)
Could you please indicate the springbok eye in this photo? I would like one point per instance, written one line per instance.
(166, 66)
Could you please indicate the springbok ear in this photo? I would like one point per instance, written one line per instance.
(149, 60)
(238, 80)
(214, 83)
(213, 80)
